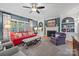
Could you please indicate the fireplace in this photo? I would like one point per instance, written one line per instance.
(51, 33)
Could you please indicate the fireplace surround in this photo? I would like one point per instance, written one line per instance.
(51, 33)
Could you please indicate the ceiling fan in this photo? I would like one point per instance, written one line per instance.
(35, 8)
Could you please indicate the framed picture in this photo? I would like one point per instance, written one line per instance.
(51, 23)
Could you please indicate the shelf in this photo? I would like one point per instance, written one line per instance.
(67, 23)
(70, 27)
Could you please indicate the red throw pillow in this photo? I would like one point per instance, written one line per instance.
(18, 35)
(30, 33)
(25, 34)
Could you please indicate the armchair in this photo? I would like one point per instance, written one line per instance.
(58, 39)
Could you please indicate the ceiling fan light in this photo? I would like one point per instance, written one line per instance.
(34, 9)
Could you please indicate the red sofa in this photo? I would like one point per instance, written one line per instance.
(17, 37)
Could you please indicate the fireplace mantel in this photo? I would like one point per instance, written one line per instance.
(52, 29)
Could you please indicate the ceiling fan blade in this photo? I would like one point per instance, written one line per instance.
(40, 7)
(37, 11)
(26, 7)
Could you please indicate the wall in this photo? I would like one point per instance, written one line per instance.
(41, 33)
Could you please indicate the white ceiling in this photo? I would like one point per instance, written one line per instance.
(51, 9)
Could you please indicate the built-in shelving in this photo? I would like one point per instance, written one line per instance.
(68, 24)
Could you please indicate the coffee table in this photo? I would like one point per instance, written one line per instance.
(30, 40)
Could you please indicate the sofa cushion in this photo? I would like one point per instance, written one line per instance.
(12, 33)
(17, 35)
(24, 34)
(57, 35)
(30, 33)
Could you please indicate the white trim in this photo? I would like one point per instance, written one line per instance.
(52, 28)
(19, 20)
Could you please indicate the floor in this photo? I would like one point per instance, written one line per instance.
(46, 48)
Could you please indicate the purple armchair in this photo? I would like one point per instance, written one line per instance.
(59, 38)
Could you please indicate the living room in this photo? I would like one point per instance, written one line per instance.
(39, 29)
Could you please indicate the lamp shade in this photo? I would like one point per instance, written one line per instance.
(7, 26)
(35, 28)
